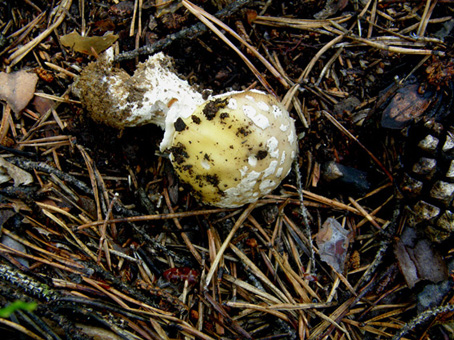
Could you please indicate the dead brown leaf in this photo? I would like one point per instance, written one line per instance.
(17, 89)
(332, 241)
(9, 171)
(86, 45)
(418, 260)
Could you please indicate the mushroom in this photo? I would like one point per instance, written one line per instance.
(232, 149)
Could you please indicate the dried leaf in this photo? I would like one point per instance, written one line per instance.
(9, 171)
(17, 89)
(406, 106)
(42, 105)
(85, 44)
(418, 260)
(332, 241)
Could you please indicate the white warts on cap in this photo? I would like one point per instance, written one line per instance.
(272, 144)
(258, 119)
(247, 153)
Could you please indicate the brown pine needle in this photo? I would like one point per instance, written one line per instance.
(238, 224)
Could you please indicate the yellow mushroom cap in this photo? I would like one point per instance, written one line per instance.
(234, 148)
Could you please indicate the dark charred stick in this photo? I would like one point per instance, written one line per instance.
(190, 33)
(40, 166)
